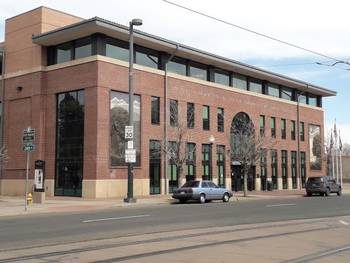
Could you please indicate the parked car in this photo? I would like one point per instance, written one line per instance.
(323, 185)
(201, 191)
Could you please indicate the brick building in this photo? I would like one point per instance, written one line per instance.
(67, 77)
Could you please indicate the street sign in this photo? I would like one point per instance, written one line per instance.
(28, 136)
(130, 145)
(130, 155)
(28, 147)
(129, 132)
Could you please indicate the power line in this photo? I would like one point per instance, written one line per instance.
(257, 33)
(294, 64)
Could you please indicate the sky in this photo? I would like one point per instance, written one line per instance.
(319, 25)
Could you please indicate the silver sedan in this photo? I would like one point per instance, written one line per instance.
(201, 191)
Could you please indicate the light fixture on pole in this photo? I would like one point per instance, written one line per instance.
(132, 23)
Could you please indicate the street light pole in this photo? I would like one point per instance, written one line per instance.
(134, 22)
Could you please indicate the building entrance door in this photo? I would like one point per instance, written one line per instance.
(237, 180)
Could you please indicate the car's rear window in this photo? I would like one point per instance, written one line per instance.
(191, 184)
(315, 179)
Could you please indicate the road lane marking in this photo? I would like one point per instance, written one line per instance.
(344, 222)
(277, 205)
(113, 218)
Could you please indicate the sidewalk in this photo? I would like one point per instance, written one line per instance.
(11, 206)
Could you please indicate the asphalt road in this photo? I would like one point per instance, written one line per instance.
(44, 229)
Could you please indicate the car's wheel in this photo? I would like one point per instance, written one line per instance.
(308, 193)
(225, 198)
(339, 192)
(202, 198)
(327, 192)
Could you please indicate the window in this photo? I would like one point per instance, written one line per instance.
(64, 52)
(155, 110)
(205, 118)
(206, 162)
(119, 114)
(82, 48)
(273, 90)
(146, 58)
(303, 168)
(286, 93)
(312, 100)
(117, 50)
(1, 59)
(273, 127)
(198, 71)
(302, 131)
(239, 81)
(255, 86)
(263, 169)
(172, 169)
(177, 65)
(302, 98)
(220, 119)
(274, 165)
(69, 143)
(262, 125)
(173, 113)
(222, 78)
(283, 128)
(191, 161)
(292, 130)
(220, 150)
(284, 169)
(154, 166)
(294, 169)
(190, 115)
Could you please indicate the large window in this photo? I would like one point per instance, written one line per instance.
(294, 169)
(315, 144)
(119, 119)
(255, 86)
(198, 71)
(172, 169)
(302, 131)
(64, 52)
(286, 93)
(177, 65)
(146, 58)
(69, 143)
(220, 116)
(263, 170)
(155, 110)
(273, 127)
(82, 48)
(205, 118)
(154, 166)
(283, 128)
(206, 162)
(220, 150)
(312, 100)
(284, 165)
(191, 161)
(222, 78)
(174, 113)
(302, 98)
(273, 90)
(239, 81)
(116, 49)
(190, 115)
(303, 168)
(274, 168)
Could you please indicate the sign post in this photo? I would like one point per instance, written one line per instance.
(28, 146)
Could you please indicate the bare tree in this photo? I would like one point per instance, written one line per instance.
(346, 149)
(175, 149)
(248, 148)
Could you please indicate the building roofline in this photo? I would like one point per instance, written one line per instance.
(106, 26)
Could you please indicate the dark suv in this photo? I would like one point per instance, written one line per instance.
(323, 185)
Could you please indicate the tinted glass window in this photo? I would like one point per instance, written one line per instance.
(190, 115)
(114, 51)
(177, 67)
(147, 60)
(82, 48)
(286, 93)
(222, 78)
(273, 90)
(205, 185)
(64, 53)
(212, 185)
(312, 100)
(191, 184)
(315, 179)
(302, 99)
(155, 110)
(197, 72)
(205, 117)
(173, 113)
(239, 81)
(255, 86)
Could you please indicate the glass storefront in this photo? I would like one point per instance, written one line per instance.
(69, 143)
